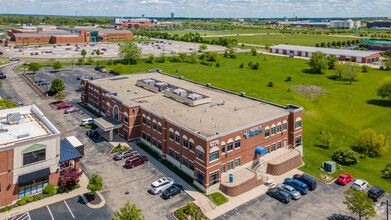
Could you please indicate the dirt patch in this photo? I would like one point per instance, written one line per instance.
(93, 198)
(56, 104)
(310, 92)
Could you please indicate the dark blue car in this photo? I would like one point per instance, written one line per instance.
(311, 183)
(298, 185)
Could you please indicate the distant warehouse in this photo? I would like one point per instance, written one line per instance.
(344, 55)
(375, 44)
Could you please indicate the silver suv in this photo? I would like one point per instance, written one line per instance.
(161, 185)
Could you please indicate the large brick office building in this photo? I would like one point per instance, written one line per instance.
(205, 131)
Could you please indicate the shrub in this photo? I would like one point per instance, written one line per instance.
(217, 64)
(110, 62)
(264, 59)
(289, 78)
(22, 202)
(53, 192)
(365, 68)
(345, 156)
(61, 190)
(73, 187)
(241, 65)
(7, 208)
(332, 76)
(30, 199)
(387, 172)
(77, 186)
(37, 197)
(271, 84)
(48, 188)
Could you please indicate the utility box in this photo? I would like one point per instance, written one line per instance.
(329, 166)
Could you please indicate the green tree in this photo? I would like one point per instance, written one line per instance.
(151, 59)
(387, 171)
(340, 69)
(387, 63)
(84, 53)
(119, 69)
(57, 65)
(359, 203)
(34, 67)
(128, 212)
(97, 52)
(352, 71)
(365, 68)
(385, 89)
(203, 47)
(345, 155)
(129, 52)
(57, 85)
(332, 61)
(95, 183)
(267, 47)
(162, 58)
(90, 60)
(318, 62)
(254, 51)
(372, 144)
(59, 96)
(7, 103)
(326, 138)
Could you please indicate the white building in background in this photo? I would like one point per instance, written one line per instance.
(342, 24)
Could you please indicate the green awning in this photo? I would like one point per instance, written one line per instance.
(34, 148)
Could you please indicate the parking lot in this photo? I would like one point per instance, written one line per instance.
(325, 202)
(73, 208)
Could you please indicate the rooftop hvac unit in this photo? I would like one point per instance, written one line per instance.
(180, 92)
(13, 118)
(194, 96)
(161, 86)
(23, 135)
(149, 81)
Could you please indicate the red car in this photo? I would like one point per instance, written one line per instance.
(64, 106)
(135, 161)
(344, 179)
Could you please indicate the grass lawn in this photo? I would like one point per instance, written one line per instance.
(217, 198)
(225, 32)
(345, 111)
(304, 40)
(4, 62)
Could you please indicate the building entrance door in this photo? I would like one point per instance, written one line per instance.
(285, 143)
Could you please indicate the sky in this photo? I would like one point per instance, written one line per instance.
(201, 8)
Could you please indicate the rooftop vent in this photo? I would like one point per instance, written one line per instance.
(23, 135)
(13, 118)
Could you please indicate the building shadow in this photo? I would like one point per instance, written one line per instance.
(380, 102)
(339, 217)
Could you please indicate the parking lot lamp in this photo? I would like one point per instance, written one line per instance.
(72, 64)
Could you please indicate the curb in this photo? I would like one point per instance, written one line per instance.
(8, 64)
(89, 205)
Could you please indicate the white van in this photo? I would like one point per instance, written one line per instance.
(87, 121)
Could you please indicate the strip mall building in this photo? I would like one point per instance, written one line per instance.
(343, 54)
(205, 131)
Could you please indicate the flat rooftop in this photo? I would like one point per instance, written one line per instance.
(33, 124)
(225, 112)
(46, 34)
(343, 52)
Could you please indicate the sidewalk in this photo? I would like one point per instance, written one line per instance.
(49, 200)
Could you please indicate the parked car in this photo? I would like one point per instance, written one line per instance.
(297, 184)
(14, 59)
(84, 77)
(32, 54)
(27, 62)
(3, 76)
(344, 178)
(64, 106)
(92, 133)
(41, 82)
(289, 189)
(360, 184)
(311, 183)
(135, 161)
(161, 185)
(103, 70)
(171, 191)
(87, 121)
(279, 195)
(375, 193)
(71, 110)
(36, 53)
(98, 68)
(125, 154)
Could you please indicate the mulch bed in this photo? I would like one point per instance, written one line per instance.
(56, 104)
(93, 198)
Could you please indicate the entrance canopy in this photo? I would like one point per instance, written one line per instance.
(34, 175)
(260, 150)
(107, 123)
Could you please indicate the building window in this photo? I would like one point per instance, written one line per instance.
(213, 178)
(298, 141)
(273, 130)
(184, 161)
(200, 155)
(213, 156)
(154, 142)
(223, 149)
(32, 187)
(154, 125)
(191, 165)
(267, 130)
(273, 147)
(200, 177)
(148, 138)
(298, 124)
(223, 168)
(237, 144)
(126, 134)
(185, 143)
(171, 153)
(177, 138)
(230, 165)
(237, 162)
(278, 128)
(35, 156)
(126, 118)
(285, 126)
(159, 145)
(279, 145)
(144, 120)
(159, 128)
(191, 146)
(144, 136)
(229, 147)
(171, 135)
(148, 122)
(177, 156)
(267, 148)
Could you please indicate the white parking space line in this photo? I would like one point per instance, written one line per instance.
(69, 209)
(29, 218)
(50, 212)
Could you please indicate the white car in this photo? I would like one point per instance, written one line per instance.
(289, 189)
(87, 121)
(360, 184)
(161, 185)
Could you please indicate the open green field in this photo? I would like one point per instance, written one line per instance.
(4, 62)
(274, 39)
(345, 111)
(225, 32)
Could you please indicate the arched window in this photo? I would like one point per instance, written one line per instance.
(284, 125)
(273, 129)
(223, 147)
(230, 145)
(184, 141)
(108, 107)
(214, 154)
(159, 127)
(237, 142)
(171, 134)
(126, 117)
(116, 112)
(267, 131)
(177, 137)
(191, 144)
(278, 127)
(148, 121)
(144, 119)
(200, 153)
(298, 123)
(154, 124)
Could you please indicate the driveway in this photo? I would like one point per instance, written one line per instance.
(325, 202)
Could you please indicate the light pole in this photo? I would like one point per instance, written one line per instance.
(72, 64)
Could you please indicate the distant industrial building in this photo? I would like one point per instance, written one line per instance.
(377, 44)
(379, 24)
(349, 24)
(344, 55)
(141, 23)
(102, 34)
(337, 24)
